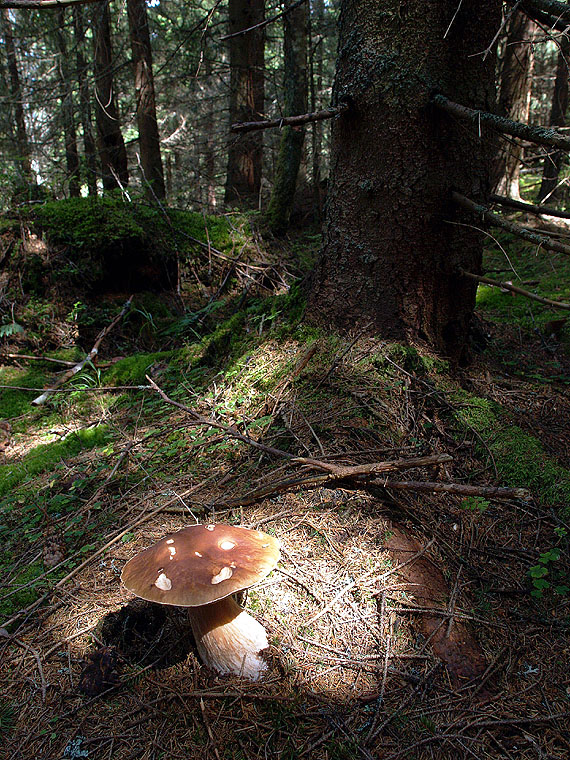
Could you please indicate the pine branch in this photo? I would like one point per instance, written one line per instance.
(529, 208)
(552, 13)
(45, 3)
(538, 135)
(514, 289)
(290, 121)
(515, 229)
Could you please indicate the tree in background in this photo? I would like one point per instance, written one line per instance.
(553, 160)
(67, 108)
(149, 141)
(515, 82)
(82, 68)
(391, 258)
(295, 102)
(247, 99)
(111, 145)
(24, 160)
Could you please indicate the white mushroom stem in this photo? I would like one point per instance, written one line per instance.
(228, 639)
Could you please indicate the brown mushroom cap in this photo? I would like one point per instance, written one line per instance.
(201, 564)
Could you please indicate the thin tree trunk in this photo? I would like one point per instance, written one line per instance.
(209, 147)
(295, 102)
(247, 95)
(391, 258)
(318, 9)
(514, 98)
(24, 161)
(89, 147)
(111, 145)
(149, 140)
(553, 161)
(67, 109)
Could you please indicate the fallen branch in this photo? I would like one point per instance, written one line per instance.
(529, 208)
(515, 229)
(461, 489)
(90, 356)
(514, 289)
(538, 135)
(289, 121)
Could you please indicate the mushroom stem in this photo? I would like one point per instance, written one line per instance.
(228, 639)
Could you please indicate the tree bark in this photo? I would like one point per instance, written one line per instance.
(553, 161)
(514, 97)
(67, 109)
(89, 147)
(247, 94)
(390, 258)
(295, 102)
(111, 145)
(24, 160)
(149, 140)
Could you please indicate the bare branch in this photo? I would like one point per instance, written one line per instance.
(538, 135)
(515, 229)
(90, 356)
(461, 489)
(529, 208)
(263, 23)
(290, 121)
(514, 289)
(552, 13)
(45, 3)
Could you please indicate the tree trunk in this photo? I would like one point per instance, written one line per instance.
(317, 10)
(149, 140)
(514, 98)
(89, 147)
(67, 109)
(295, 102)
(24, 161)
(247, 93)
(391, 256)
(553, 161)
(111, 145)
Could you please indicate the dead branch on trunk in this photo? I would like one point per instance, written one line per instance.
(289, 121)
(39, 4)
(482, 212)
(514, 289)
(528, 208)
(80, 365)
(538, 135)
(554, 14)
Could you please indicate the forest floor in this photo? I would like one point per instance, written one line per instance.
(415, 611)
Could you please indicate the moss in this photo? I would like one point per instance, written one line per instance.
(44, 457)
(26, 596)
(520, 457)
(133, 369)
(14, 403)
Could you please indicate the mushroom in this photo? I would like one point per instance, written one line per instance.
(200, 567)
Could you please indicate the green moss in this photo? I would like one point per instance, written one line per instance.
(520, 457)
(133, 369)
(26, 596)
(44, 457)
(14, 403)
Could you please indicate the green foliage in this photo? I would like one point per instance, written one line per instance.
(519, 456)
(47, 455)
(545, 568)
(133, 369)
(475, 504)
(8, 715)
(11, 328)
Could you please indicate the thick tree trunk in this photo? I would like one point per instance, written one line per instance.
(89, 147)
(553, 161)
(149, 140)
(111, 145)
(514, 98)
(67, 109)
(317, 22)
(295, 102)
(247, 94)
(392, 250)
(24, 160)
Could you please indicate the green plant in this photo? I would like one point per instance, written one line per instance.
(475, 503)
(11, 328)
(538, 574)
